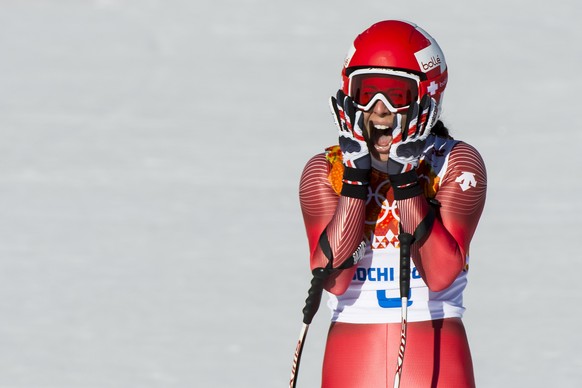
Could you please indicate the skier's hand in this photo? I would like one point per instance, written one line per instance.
(408, 140)
(349, 121)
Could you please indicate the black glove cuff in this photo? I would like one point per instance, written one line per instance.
(404, 178)
(355, 182)
(405, 185)
(356, 175)
(355, 191)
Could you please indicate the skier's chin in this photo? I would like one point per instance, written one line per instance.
(381, 147)
(382, 151)
(382, 157)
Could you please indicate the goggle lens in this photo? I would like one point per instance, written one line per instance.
(400, 91)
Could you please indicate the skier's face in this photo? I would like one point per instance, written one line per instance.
(379, 122)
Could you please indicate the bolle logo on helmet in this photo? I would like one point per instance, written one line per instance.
(428, 66)
(430, 58)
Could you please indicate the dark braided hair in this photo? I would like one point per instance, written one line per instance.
(440, 130)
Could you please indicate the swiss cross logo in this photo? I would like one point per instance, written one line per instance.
(432, 88)
(466, 180)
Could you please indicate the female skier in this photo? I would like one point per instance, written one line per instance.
(397, 173)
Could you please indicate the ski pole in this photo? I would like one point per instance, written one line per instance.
(311, 306)
(406, 240)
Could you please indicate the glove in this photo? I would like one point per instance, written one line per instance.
(355, 154)
(349, 121)
(408, 140)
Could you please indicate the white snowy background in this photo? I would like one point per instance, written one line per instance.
(150, 153)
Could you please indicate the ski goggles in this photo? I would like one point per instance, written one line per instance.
(396, 89)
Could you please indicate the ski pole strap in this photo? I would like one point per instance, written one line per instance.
(326, 247)
(421, 230)
(350, 261)
(314, 293)
(406, 240)
(425, 225)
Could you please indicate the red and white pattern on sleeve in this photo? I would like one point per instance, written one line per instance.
(442, 255)
(322, 208)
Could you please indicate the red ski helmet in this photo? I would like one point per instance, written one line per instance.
(402, 46)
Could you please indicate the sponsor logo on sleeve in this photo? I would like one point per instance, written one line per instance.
(466, 180)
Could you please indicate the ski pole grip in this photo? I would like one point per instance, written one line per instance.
(314, 294)
(406, 240)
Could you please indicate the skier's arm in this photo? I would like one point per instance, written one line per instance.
(341, 217)
(441, 255)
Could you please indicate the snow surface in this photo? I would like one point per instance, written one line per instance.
(150, 153)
